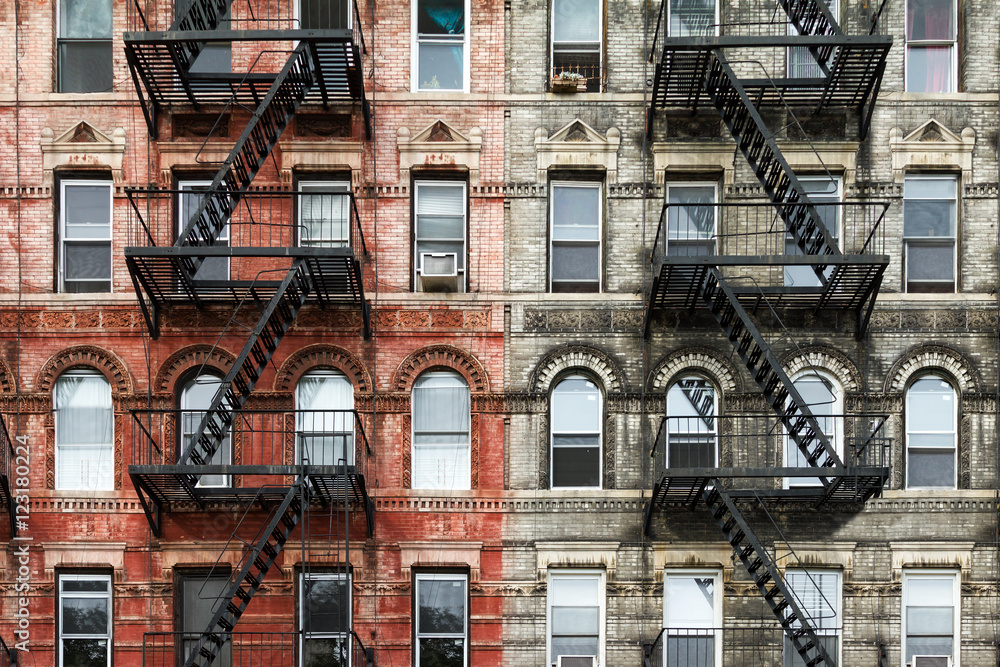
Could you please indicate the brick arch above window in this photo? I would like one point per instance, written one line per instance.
(318, 356)
(581, 358)
(935, 358)
(832, 361)
(179, 364)
(441, 356)
(698, 360)
(90, 356)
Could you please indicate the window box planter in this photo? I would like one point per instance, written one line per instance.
(569, 85)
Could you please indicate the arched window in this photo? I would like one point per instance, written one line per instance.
(196, 398)
(825, 399)
(84, 421)
(692, 424)
(324, 419)
(931, 434)
(440, 405)
(576, 433)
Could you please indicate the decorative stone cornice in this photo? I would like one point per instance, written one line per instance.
(931, 146)
(82, 146)
(439, 145)
(577, 145)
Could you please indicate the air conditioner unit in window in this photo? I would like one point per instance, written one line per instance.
(931, 661)
(438, 272)
(577, 661)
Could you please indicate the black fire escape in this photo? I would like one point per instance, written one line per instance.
(239, 250)
(7, 470)
(758, 262)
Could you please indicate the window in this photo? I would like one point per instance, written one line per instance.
(692, 428)
(213, 268)
(441, 458)
(439, 249)
(324, 423)
(575, 255)
(931, 434)
(442, 620)
(85, 620)
(325, 617)
(324, 14)
(84, 423)
(200, 594)
(931, 603)
(196, 397)
(575, 615)
(692, 18)
(441, 45)
(691, 218)
(823, 191)
(324, 214)
(931, 51)
(576, 433)
(817, 593)
(85, 53)
(930, 222)
(801, 62)
(215, 57)
(692, 617)
(825, 400)
(85, 226)
(576, 40)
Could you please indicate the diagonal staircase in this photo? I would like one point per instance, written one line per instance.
(255, 566)
(795, 623)
(200, 15)
(813, 18)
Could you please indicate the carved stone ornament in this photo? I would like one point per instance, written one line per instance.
(439, 145)
(932, 146)
(578, 145)
(82, 146)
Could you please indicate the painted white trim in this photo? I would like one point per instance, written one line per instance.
(717, 596)
(600, 434)
(574, 573)
(91, 595)
(415, 52)
(953, 431)
(588, 185)
(61, 263)
(956, 601)
(430, 576)
(953, 43)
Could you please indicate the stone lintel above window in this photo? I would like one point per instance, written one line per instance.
(82, 146)
(932, 146)
(439, 145)
(576, 555)
(578, 146)
(440, 554)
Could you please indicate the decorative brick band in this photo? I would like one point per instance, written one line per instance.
(85, 355)
(699, 359)
(446, 356)
(186, 359)
(322, 355)
(597, 362)
(827, 359)
(932, 357)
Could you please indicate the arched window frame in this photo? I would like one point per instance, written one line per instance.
(833, 416)
(681, 428)
(910, 411)
(189, 420)
(423, 439)
(555, 431)
(104, 478)
(336, 421)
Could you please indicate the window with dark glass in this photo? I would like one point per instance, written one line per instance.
(692, 427)
(84, 45)
(441, 45)
(931, 46)
(442, 620)
(215, 57)
(212, 268)
(200, 596)
(575, 254)
(930, 233)
(576, 433)
(325, 617)
(85, 612)
(692, 18)
(85, 227)
(325, 14)
(576, 42)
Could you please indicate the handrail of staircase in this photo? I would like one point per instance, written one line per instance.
(358, 32)
(656, 31)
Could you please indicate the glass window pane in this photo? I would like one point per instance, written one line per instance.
(440, 66)
(574, 591)
(326, 603)
(70, 585)
(440, 199)
(930, 188)
(692, 18)
(929, 646)
(576, 406)
(85, 616)
(574, 645)
(576, 262)
(576, 213)
(930, 20)
(439, 227)
(87, 211)
(85, 19)
(690, 601)
(576, 21)
(930, 262)
(89, 262)
(692, 397)
(325, 14)
(575, 620)
(690, 650)
(441, 17)
(441, 606)
(85, 67)
(929, 69)
(326, 652)
(930, 620)
(441, 467)
(85, 652)
(83, 409)
(930, 468)
(930, 591)
(930, 405)
(928, 218)
(576, 466)
(442, 652)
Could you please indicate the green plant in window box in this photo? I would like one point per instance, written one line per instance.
(569, 82)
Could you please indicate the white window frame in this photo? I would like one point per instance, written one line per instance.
(350, 15)
(589, 185)
(953, 431)
(331, 189)
(465, 482)
(920, 43)
(715, 212)
(60, 40)
(834, 7)
(673, 421)
(64, 238)
(837, 441)
(190, 185)
(599, 43)
(343, 636)
(837, 602)
(417, 634)
(225, 481)
(88, 595)
(956, 588)
(342, 421)
(462, 260)
(107, 458)
(805, 276)
(600, 576)
(600, 433)
(669, 19)
(678, 624)
(918, 240)
(416, 41)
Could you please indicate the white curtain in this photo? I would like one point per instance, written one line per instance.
(84, 432)
(441, 404)
(323, 423)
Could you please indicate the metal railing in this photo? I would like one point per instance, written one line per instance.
(259, 438)
(760, 441)
(7, 468)
(749, 229)
(728, 647)
(8, 656)
(257, 649)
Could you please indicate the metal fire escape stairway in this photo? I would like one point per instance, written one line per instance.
(693, 281)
